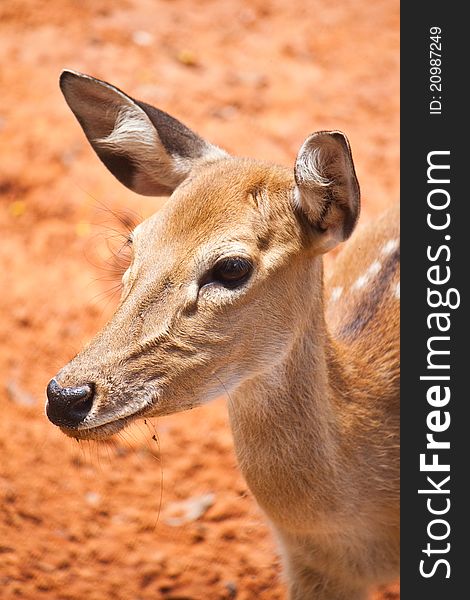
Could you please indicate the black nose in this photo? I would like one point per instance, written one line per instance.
(68, 406)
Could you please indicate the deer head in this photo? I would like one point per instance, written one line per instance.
(220, 277)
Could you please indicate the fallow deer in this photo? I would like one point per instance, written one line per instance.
(225, 295)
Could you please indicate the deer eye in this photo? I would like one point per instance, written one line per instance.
(231, 272)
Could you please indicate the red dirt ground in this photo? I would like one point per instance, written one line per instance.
(80, 521)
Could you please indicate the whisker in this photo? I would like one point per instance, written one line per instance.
(115, 237)
(129, 219)
(224, 386)
(156, 439)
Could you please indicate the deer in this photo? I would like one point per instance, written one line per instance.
(225, 296)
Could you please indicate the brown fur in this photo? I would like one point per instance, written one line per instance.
(313, 405)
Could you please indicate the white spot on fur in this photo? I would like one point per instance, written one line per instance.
(364, 279)
(397, 291)
(336, 293)
(390, 247)
(374, 268)
(360, 282)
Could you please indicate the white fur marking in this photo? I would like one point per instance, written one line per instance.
(360, 282)
(397, 291)
(374, 268)
(390, 247)
(336, 293)
(364, 279)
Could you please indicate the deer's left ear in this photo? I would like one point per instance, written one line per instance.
(327, 190)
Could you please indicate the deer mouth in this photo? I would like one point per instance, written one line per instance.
(102, 421)
(104, 431)
(98, 432)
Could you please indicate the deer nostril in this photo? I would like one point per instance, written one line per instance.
(68, 406)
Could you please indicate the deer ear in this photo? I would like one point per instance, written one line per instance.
(327, 190)
(145, 148)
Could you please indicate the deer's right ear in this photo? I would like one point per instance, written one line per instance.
(149, 151)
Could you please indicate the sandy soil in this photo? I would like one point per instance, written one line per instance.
(106, 521)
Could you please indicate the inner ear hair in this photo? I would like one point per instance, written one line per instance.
(131, 132)
(327, 189)
(146, 149)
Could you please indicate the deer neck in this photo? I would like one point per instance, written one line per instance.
(286, 425)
